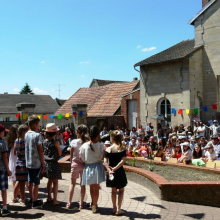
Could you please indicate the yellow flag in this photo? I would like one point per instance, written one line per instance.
(39, 116)
(187, 111)
(67, 115)
(24, 116)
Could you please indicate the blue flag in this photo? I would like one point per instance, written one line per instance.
(173, 111)
(205, 109)
(81, 113)
(51, 116)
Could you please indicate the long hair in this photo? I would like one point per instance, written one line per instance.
(83, 130)
(117, 137)
(199, 155)
(93, 133)
(12, 135)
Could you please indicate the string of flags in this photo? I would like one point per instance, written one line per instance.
(60, 116)
(195, 110)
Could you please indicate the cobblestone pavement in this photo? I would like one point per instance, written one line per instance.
(139, 203)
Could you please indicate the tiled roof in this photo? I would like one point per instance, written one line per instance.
(101, 82)
(178, 51)
(44, 103)
(110, 101)
(82, 96)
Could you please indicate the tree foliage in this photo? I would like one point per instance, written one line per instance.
(26, 89)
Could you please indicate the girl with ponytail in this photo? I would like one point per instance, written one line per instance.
(77, 164)
(93, 174)
(114, 158)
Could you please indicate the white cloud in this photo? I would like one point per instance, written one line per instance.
(16, 89)
(53, 89)
(82, 75)
(148, 49)
(42, 61)
(39, 91)
(139, 46)
(84, 62)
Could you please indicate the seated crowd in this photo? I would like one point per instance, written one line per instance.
(188, 145)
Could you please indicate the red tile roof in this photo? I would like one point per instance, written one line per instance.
(110, 101)
(101, 101)
(82, 96)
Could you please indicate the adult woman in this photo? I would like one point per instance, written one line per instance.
(133, 133)
(195, 128)
(181, 129)
(52, 153)
(114, 158)
(197, 153)
(160, 153)
(210, 153)
(189, 129)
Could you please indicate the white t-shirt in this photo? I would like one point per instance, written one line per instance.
(88, 155)
(76, 144)
(200, 128)
(189, 156)
(211, 156)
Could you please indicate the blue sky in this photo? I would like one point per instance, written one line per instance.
(69, 42)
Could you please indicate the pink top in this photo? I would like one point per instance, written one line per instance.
(76, 144)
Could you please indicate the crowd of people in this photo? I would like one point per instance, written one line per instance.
(27, 154)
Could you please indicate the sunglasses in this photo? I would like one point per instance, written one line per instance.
(209, 148)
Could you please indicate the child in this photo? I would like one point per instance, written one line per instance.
(4, 171)
(114, 158)
(52, 153)
(10, 139)
(21, 172)
(34, 159)
(77, 164)
(93, 173)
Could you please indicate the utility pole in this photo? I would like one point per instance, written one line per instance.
(59, 88)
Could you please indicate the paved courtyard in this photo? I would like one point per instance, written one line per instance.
(139, 203)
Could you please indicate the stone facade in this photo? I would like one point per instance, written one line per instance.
(207, 33)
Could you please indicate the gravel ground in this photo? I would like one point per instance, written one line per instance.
(172, 173)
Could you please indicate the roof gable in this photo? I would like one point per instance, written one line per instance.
(82, 96)
(178, 51)
(44, 103)
(201, 12)
(110, 101)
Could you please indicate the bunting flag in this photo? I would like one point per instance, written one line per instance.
(173, 111)
(67, 115)
(59, 116)
(24, 116)
(205, 109)
(39, 116)
(51, 116)
(74, 114)
(214, 106)
(187, 111)
(180, 111)
(196, 111)
(45, 116)
(81, 113)
(18, 115)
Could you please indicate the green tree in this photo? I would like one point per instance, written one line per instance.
(26, 89)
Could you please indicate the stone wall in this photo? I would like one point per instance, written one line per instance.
(207, 33)
(166, 80)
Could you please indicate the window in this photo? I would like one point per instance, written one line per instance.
(164, 108)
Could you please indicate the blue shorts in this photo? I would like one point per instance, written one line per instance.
(3, 180)
(33, 176)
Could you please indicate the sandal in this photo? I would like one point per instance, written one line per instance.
(81, 207)
(68, 206)
(95, 209)
(15, 200)
(120, 212)
(114, 210)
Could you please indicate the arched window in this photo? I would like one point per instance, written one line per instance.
(164, 108)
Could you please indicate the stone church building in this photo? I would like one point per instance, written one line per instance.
(186, 75)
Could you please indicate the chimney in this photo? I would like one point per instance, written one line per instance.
(205, 2)
(135, 79)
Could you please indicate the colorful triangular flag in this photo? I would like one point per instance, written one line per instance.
(45, 116)
(195, 110)
(205, 109)
(59, 116)
(214, 106)
(81, 113)
(74, 114)
(67, 115)
(24, 116)
(18, 115)
(173, 111)
(39, 116)
(180, 111)
(51, 116)
(187, 111)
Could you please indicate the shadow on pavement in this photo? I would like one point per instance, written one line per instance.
(196, 215)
